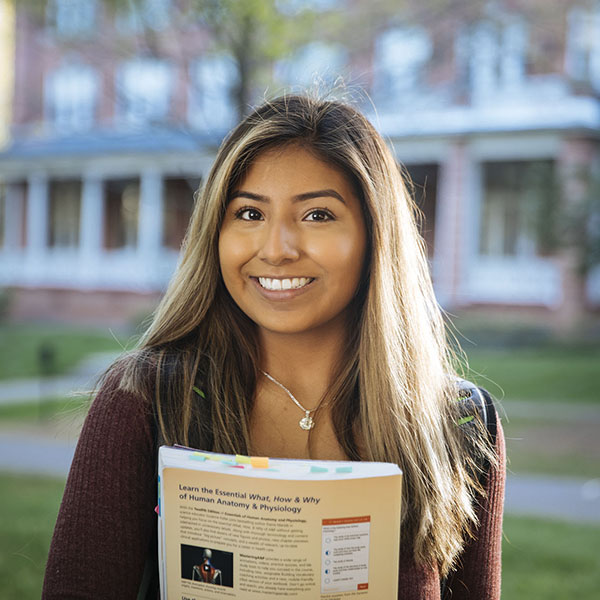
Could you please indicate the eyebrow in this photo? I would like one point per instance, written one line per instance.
(298, 198)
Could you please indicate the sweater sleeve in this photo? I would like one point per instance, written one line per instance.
(479, 572)
(106, 520)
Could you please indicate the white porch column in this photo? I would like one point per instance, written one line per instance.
(13, 217)
(37, 217)
(150, 219)
(452, 192)
(91, 227)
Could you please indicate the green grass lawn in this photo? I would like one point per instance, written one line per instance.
(543, 560)
(51, 408)
(549, 372)
(20, 346)
(29, 509)
(540, 374)
(550, 560)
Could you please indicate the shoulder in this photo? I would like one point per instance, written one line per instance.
(123, 402)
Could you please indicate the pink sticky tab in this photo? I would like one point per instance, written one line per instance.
(156, 510)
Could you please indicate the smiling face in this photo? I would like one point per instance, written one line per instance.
(292, 243)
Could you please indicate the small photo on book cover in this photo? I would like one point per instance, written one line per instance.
(207, 565)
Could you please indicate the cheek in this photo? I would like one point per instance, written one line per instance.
(232, 254)
(341, 256)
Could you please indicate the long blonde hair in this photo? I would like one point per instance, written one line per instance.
(394, 392)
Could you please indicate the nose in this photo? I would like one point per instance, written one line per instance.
(279, 244)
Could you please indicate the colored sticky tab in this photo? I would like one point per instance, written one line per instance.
(465, 420)
(242, 460)
(157, 510)
(259, 462)
(319, 470)
(229, 463)
(216, 457)
(343, 469)
(197, 456)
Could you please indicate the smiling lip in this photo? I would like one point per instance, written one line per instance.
(276, 284)
(282, 288)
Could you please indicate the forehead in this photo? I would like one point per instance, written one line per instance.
(293, 167)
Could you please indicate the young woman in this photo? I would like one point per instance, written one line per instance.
(300, 323)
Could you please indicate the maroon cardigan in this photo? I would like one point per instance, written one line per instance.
(106, 524)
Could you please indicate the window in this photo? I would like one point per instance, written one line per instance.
(515, 199)
(496, 55)
(72, 18)
(178, 205)
(424, 182)
(71, 97)
(144, 91)
(121, 204)
(211, 105)
(582, 60)
(64, 214)
(400, 57)
(13, 208)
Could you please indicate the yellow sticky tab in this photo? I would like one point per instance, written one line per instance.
(259, 462)
(242, 460)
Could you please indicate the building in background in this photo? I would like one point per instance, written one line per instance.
(115, 121)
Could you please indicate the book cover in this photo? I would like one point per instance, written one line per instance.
(254, 528)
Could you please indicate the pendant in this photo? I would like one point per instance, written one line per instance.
(306, 422)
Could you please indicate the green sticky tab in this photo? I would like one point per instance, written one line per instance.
(319, 470)
(199, 392)
(343, 469)
(465, 420)
(230, 463)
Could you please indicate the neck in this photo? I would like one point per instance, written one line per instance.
(304, 363)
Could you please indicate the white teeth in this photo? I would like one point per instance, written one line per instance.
(284, 284)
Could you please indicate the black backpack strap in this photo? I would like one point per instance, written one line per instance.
(476, 404)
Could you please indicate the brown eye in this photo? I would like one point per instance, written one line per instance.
(319, 215)
(248, 214)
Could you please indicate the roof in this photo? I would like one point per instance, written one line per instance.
(102, 142)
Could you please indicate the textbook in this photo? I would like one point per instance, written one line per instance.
(252, 528)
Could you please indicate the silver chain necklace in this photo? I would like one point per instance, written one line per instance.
(306, 422)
